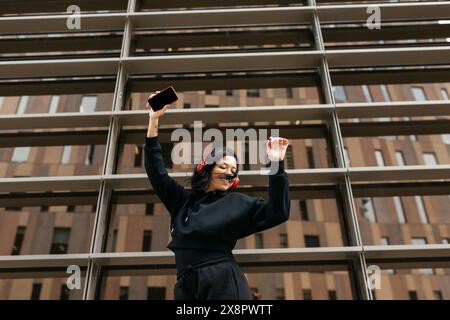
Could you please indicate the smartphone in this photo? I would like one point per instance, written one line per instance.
(162, 98)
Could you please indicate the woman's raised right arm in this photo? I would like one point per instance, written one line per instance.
(171, 194)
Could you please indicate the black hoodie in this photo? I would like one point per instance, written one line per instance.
(214, 220)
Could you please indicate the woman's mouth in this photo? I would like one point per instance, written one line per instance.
(226, 181)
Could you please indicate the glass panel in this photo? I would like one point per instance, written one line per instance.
(34, 286)
(413, 284)
(311, 285)
(403, 218)
(46, 228)
(313, 223)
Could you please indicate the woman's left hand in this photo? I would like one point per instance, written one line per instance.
(276, 148)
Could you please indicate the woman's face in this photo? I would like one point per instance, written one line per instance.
(226, 165)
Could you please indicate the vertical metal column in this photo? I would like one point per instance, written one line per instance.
(99, 236)
(358, 271)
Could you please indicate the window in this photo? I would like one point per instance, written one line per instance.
(253, 93)
(279, 294)
(307, 294)
(385, 242)
(418, 93)
(60, 241)
(422, 241)
(156, 293)
(444, 94)
(1, 102)
(20, 235)
(346, 157)
(418, 241)
(332, 295)
(289, 93)
(283, 240)
(65, 293)
(430, 158)
(303, 210)
(53, 108)
(229, 93)
(211, 106)
(123, 293)
(310, 156)
(367, 94)
(399, 158)
(379, 158)
(259, 241)
(22, 104)
(36, 291)
(421, 209)
(385, 92)
(399, 210)
(186, 105)
(147, 240)
(412, 295)
(312, 241)
(446, 138)
(149, 209)
(438, 295)
(89, 154)
(367, 210)
(20, 154)
(65, 157)
(70, 208)
(114, 241)
(289, 157)
(88, 104)
(138, 155)
(339, 94)
(208, 92)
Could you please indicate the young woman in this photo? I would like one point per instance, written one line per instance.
(207, 220)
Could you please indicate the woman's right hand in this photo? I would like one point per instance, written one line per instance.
(159, 113)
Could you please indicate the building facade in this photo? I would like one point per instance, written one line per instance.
(366, 112)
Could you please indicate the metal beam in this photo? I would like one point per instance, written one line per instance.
(390, 11)
(303, 192)
(393, 109)
(225, 62)
(403, 173)
(418, 55)
(386, 128)
(230, 114)
(46, 6)
(174, 116)
(43, 261)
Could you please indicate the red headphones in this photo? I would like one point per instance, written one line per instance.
(203, 163)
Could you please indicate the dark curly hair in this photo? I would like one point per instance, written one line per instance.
(200, 180)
